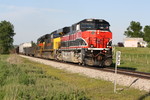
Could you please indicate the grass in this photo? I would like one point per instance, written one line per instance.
(33, 81)
(135, 58)
(27, 82)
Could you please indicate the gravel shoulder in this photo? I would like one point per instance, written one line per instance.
(138, 83)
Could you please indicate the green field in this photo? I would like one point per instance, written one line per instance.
(137, 59)
(21, 79)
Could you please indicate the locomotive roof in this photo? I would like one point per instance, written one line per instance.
(82, 21)
(94, 20)
(44, 36)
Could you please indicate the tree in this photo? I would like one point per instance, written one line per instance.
(6, 36)
(147, 33)
(134, 30)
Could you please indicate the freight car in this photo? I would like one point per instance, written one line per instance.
(29, 51)
(24, 45)
(86, 42)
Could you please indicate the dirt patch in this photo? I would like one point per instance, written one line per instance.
(14, 59)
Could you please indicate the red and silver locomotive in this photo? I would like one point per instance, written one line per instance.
(88, 42)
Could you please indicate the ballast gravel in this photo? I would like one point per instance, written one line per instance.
(138, 83)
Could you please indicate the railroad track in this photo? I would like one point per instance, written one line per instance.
(128, 72)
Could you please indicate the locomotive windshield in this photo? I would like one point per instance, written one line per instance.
(94, 25)
(102, 26)
(87, 26)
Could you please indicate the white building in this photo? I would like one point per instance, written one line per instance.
(134, 42)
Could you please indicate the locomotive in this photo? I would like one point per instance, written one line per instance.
(86, 42)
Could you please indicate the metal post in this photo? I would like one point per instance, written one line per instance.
(118, 55)
(115, 76)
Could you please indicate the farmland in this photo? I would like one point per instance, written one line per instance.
(137, 59)
(21, 79)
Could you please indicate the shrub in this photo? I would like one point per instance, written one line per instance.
(148, 45)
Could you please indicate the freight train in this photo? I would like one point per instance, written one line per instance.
(86, 42)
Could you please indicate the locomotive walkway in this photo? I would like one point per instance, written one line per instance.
(125, 80)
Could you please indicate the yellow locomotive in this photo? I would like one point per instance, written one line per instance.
(48, 44)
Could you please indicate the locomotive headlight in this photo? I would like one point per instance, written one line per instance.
(92, 46)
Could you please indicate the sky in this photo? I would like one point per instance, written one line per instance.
(34, 18)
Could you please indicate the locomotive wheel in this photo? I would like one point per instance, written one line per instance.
(108, 62)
